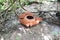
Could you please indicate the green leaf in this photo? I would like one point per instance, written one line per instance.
(3, 7)
(0, 7)
(2, 1)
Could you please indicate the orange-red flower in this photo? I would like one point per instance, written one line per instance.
(29, 19)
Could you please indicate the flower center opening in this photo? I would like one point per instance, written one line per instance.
(30, 17)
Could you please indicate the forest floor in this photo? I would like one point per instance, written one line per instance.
(46, 30)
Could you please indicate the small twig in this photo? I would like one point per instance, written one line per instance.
(22, 6)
